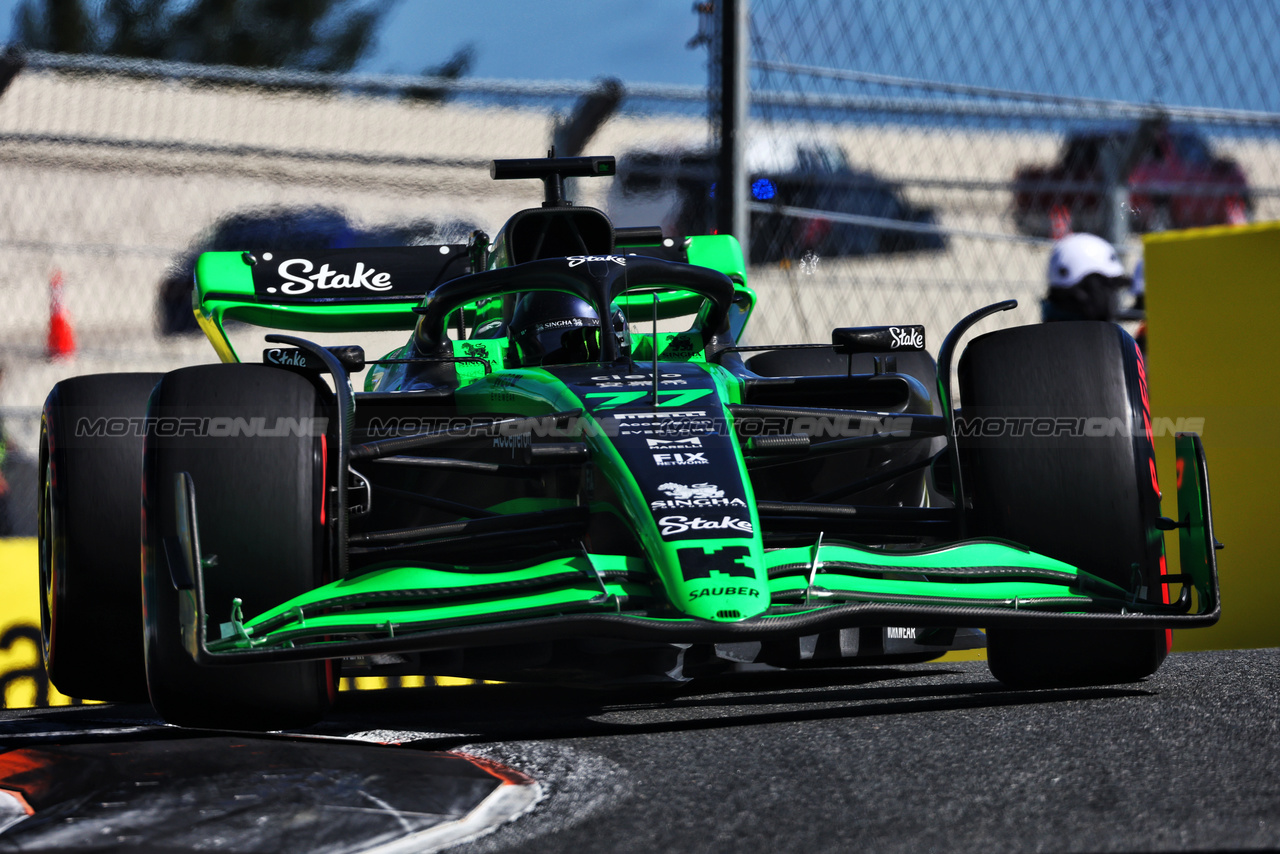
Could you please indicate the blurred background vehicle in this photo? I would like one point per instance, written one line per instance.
(1173, 178)
(304, 228)
(676, 189)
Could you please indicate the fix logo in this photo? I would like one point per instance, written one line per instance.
(695, 458)
(575, 260)
(294, 272)
(680, 524)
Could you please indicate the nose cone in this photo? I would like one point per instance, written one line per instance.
(720, 580)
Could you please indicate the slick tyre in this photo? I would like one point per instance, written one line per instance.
(1077, 483)
(90, 463)
(259, 499)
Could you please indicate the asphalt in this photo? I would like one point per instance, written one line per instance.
(932, 757)
(929, 757)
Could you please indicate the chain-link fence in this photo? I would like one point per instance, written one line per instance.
(910, 162)
(113, 173)
(951, 142)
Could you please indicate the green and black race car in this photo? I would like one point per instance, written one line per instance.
(576, 470)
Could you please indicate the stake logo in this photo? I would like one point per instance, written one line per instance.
(680, 524)
(361, 275)
(911, 337)
(296, 281)
(575, 260)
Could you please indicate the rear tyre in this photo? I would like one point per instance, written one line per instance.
(1089, 500)
(87, 528)
(258, 502)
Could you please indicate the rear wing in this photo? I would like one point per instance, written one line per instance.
(377, 289)
(333, 290)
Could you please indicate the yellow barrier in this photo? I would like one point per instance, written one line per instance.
(23, 681)
(1213, 311)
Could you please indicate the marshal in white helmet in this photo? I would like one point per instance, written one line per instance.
(1086, 278)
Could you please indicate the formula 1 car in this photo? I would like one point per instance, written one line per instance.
(576, 470)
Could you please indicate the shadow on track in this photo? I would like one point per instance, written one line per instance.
(512, 712)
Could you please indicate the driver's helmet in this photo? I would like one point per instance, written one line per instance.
(553, 328)
(1085, 279)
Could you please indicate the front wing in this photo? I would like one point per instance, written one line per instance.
(815, 589)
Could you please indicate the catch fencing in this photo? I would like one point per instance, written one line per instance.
(1159, 114)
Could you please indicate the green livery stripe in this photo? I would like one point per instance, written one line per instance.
(881, 589)
(585, 595)
(400, 599)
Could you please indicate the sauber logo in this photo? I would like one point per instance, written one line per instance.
(724, 591)
(300, 276)
(680, 524)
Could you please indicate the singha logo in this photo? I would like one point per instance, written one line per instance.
(698, 490)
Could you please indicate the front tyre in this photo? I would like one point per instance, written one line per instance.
(1077, 482)
(87, 528)
(248, 437)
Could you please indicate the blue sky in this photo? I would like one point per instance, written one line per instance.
(533, 39)
(1175, 52)
(551, 39)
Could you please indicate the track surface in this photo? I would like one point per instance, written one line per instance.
(915, 758)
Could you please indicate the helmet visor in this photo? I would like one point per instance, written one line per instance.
(561, 342)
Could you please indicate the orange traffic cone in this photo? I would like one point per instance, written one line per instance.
(61, 342)
(1236, 214)
(1059, 222)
